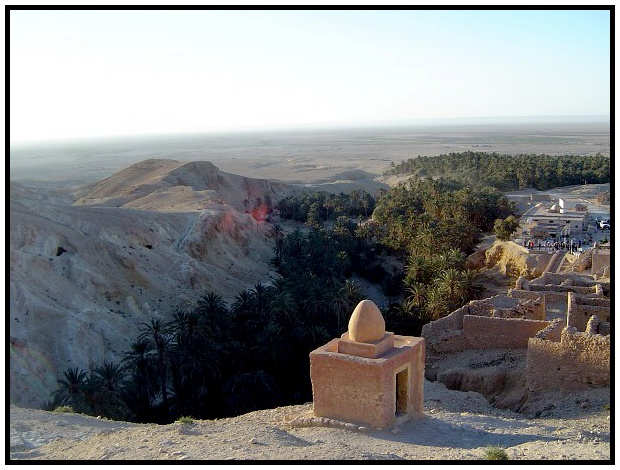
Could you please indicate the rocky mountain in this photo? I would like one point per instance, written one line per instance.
(87, 269)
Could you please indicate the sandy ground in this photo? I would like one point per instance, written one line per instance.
(446, 432)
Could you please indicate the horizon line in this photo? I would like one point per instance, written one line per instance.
(321, 127)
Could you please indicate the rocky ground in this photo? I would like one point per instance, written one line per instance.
(567, 431)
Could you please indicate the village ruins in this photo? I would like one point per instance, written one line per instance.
(560, 323)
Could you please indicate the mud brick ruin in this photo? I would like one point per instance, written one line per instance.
(369, 376)
(562, 353)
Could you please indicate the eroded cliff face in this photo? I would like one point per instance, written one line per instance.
(82, 278)
(511, 260)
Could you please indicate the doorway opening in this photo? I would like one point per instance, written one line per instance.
(402, 391)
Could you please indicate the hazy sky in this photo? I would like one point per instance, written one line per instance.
(80, 74)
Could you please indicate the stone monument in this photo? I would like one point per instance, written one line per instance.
(369, 376)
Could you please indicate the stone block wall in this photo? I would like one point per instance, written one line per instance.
(577, 361)
(580, 310)
(495, 333)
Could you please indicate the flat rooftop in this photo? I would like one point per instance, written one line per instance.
(542, 211)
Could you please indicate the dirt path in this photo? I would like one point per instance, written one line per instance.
(447, 432)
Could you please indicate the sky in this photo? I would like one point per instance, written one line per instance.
(79, 74)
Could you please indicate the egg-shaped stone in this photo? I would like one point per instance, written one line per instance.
(366, 324)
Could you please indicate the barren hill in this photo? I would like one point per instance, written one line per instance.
(170, 185)
(84, 274)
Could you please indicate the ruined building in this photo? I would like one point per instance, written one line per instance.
(571, 351)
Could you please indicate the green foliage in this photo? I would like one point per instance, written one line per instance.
(504, 228)
(63, 409)
(430, 216)
(185, 420)
(96, 392)
(495, 453)
(433, 224)
(314, 208)
(510, 172)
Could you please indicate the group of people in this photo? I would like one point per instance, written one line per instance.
(553, 244)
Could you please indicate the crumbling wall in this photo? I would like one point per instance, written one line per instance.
(553, 332)
(584, 261)
(558, 288)
(574, 279)
(531, 309)
(534, 309)
(524, 294)
(548, 296)
(600, 260)
(598, 301)
(494, 333)
(446, 334)
(597, 327)
(551, 264)
(521, 283)
(577, 361)
(580, 310)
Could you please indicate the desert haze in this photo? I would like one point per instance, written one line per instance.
(317, 157)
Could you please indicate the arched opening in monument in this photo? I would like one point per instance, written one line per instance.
(402, 391)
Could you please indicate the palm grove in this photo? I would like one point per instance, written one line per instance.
(216, 359)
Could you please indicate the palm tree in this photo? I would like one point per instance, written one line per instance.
(450, 282)
(351, 291)
(417, 294)
(282, 305)
(157, 334)
(138, 392)
(110, 376)
(211, 303)
(72, 386)
(340, 308)
(261, 295)
(436, 304)
(278, 235)
(243, 302)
